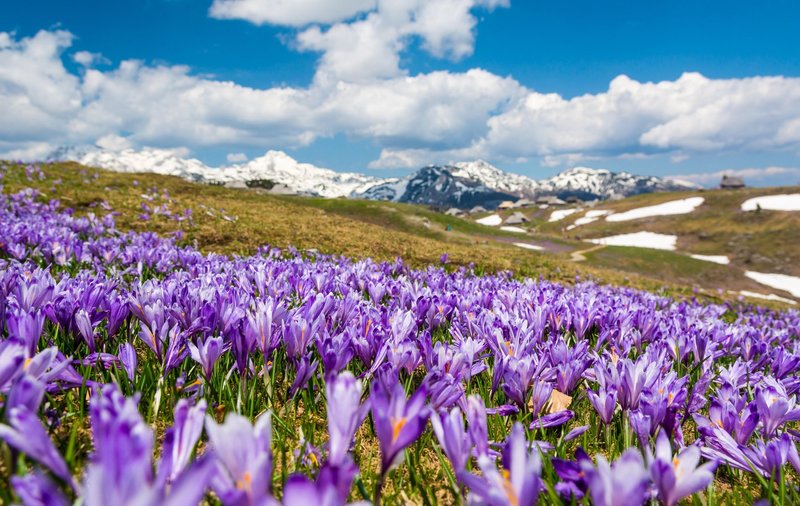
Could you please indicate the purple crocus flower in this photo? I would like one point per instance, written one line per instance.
(398, 421)
(623, 483)
(775, 407)
(26, 434)
(477, 425)
(35, 489)
(517, 483)
(121, 467)
(449, 430)
(26, 327)
(181, 438)
(85, 328)
(244, 456)
(572, 479)
(206, 353)
(345, 415)
(576, 433)
(678, 476)
(27, 391)
(12, 361)
(552, 420)
(127, 356)
(605, 402)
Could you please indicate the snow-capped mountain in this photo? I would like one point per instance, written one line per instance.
(461, 185)
(587, 184)
(275, 166)
(439, 186)
(494, 178)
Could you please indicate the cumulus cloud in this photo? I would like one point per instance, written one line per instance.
(166, 106)
(236, 157)
(754, 173)
(289, 12)
(370, 48)
(88, 59)
(690, 114)
(37, 94)
(414, 119)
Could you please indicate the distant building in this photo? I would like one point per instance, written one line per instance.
(516, 219)
(477, 209)
(549, 200)
(454, 211)
(573, 199)
(524, 203)
(506, 204)
(731, 183)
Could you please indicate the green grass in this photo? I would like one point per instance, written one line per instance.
(668, 264)
(352, 228)
(356, 229)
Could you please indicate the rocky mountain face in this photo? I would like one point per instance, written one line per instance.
(590, 184)
(439, 187)
(461, 185)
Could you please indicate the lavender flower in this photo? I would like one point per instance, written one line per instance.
(624, 482)
(517, 483)
(244, 456)
(678, 476)
(345, 415)
(398, 421)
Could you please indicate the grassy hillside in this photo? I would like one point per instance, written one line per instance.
(238, 221)
(764, 241)
(338, 226)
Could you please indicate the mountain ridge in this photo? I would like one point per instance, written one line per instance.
(462, 184)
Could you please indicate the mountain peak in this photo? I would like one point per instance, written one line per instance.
(462, 184)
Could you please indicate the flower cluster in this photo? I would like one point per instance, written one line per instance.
(521, 380)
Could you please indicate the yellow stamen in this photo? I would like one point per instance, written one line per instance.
(27, 363)
(397, 426)
(246, 483)
(511, 494)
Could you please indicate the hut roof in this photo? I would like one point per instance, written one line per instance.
(516, 219)
(731, 182)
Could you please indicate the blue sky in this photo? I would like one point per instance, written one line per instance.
(542, 101)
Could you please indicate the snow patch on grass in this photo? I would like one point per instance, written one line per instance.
(528, 246)
(766, 296)
(683, 206)
(640, 240)
(717, 259)
(784, 282)
(591, 216)
(561, 214)
(514, 229)
(492, 220)
(786, 202)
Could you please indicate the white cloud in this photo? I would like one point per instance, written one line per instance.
(289, 12)
(88, 59)
(236, 157)
(165, 106)
(370, 47)
(27, 151)
(37, 94)
(754, 173)
(690, 114)
(113, 142)
(414, 119)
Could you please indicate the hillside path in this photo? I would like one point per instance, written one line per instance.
(578, 256)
